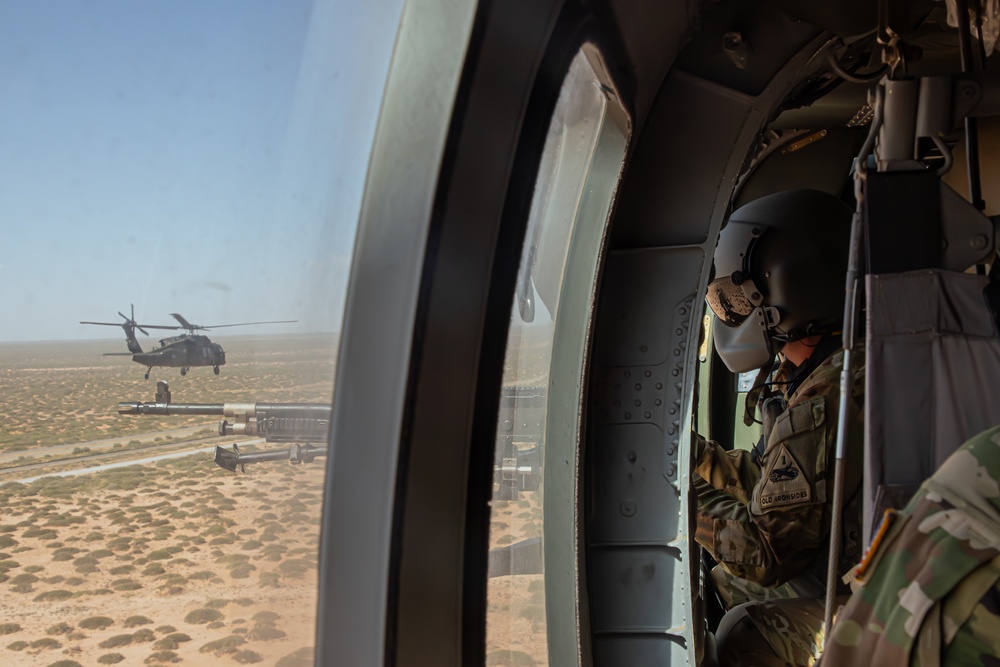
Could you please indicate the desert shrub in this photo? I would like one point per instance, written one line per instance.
(74, 581)
(172, 641)
(161, 657)
(7, 528)
(22, 583)
(56, 579)
(33, 568)
(45, 643)
(85, 564)
(251, 545)
(217, 603)
(166, 629)
(121, 569)
(303, 657)
(54, 596)
(274, 551)
(247, 657)
(244, 602)
(65, 553)
(153, 570)
(136, 621)
(65, 520)
(7, 565)
(110, 659)
(65, 663)
(17, 646)
(96, 623)
(62, 628)
(9, 628)
(241, 570)
(295, 567)
(224, 646)
(41, 533)
(200, 616)
(264, 633)
(101, 553)
(93, 536)
(120, 543)
(265, 617)
(143, 635)
(126, 585)
(215, 625)
(7, 541)
(116, 641)
(270, 579)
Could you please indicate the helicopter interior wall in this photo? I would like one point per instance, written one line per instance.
(674, 196)
(815, 158)
(742, 46)
(466, 106)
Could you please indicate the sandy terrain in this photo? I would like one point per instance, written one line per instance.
(515, 616)
(181, 562)
(172, 563)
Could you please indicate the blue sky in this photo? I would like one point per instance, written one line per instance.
(202, 157)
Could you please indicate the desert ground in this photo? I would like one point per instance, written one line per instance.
(173, 562)
(179, 561)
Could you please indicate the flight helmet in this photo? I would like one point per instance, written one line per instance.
(780, 268)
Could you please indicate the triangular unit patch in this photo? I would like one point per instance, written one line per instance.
(784, 483)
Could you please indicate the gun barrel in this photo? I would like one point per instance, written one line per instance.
(233, 459)
(171, 408)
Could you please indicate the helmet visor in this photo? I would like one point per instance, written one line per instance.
(728, 301)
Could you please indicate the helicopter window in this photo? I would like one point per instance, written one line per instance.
(206, 163)
(533, 509)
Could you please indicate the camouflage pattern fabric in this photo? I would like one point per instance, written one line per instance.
(930, 593)
(734, 591)
(769, 522)
(772, 634)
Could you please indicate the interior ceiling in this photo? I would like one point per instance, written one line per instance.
(742, 45)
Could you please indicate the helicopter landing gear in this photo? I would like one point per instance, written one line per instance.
(184, 370)
(147, 374)
(216, 369)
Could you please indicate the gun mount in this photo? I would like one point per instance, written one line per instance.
(298, 423)
(518, 458)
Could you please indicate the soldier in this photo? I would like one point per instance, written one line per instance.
(763, 515)
(930, 583)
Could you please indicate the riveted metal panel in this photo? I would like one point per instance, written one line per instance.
(629, 506)
(645, 582)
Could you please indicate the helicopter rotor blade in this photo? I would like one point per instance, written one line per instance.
(184, 323)
(105, 324)
(245, 324)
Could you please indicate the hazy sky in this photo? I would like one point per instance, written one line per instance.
(194, 156)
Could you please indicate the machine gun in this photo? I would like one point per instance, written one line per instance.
(518, 458)
(297, 423)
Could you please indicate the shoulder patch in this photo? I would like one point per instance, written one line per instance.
(783, 482)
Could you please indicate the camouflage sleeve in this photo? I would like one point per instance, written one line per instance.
(734, 471)
(774, 534)
(930, 583)
(755, 548)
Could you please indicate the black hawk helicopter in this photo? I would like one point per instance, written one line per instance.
(184, 351)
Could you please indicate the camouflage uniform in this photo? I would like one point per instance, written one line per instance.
(768, 523)
(930, 590)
